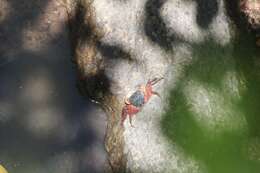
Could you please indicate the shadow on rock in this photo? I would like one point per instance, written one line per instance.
(92, 57)
(154, 26)
(113, 52)
(206, 11)
(214, 146)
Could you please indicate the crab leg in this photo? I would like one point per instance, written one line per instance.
(123, 115)
(156, 93)
(127, 101)
(155, 80)
(130, 119)
(151, 81)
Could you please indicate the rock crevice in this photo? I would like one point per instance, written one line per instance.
(93, 82)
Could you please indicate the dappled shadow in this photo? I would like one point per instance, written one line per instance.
(45, 124)
(216, 153)
(222, 111)
(206, 11)
(95, 58)
(247, 62)
(94, 87)
(82, 28)
(247, 55)
(210, 63)
(239, 18)
(86, 42)
(235, 14)
(154, 26)
(113, 51)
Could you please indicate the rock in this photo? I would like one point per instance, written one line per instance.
(93, 80)
(251, 9)
(120, 44)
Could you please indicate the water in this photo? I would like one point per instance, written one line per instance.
(214, 110)
(45, 124)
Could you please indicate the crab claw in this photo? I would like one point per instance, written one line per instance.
(127, 101)
(157, 94)
(155, 80)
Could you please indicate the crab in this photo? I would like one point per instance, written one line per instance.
(138, 99)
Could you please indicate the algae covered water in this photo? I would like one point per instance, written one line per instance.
(214, 114)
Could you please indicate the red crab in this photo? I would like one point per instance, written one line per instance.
(136, 101)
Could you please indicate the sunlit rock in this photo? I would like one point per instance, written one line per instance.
(234, 84)
(251, 8)
(126, 43)
(214, 110)
(187, 14)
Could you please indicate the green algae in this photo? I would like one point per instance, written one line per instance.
(214, 114)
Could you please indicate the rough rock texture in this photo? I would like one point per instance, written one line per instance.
(124, 43)
(251, 9)
(93, 81)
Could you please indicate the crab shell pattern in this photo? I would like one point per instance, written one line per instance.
(137, 99)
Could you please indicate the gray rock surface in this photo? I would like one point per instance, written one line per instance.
(158, 36)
